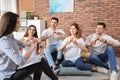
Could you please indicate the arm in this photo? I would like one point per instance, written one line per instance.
(43, 38)
(109, 40)
(12, 51)
(90, 40)
(45, 35)
(64, 43)
(61, 46)
(112, 42)
(81, 45)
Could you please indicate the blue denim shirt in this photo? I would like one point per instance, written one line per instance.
(9, 56)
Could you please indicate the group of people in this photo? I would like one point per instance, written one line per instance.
(97, 45)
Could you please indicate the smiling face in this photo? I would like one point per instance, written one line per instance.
(31, 31)
(100, 29)
(73, 30)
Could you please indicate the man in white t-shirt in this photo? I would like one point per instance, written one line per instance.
(53, 38)
(100, 45)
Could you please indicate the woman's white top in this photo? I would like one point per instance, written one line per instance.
(73, 52)
(27, 48)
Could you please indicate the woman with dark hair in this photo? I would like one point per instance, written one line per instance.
(10, 57)
(31, 33)
(75, 45)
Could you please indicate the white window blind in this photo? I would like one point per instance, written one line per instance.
(8, 5)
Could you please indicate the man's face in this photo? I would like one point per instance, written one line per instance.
(54, 23)
(99, 29)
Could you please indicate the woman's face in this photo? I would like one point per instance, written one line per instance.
(73, 30)
(31, 31)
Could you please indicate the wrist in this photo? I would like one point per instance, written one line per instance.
(105, 41)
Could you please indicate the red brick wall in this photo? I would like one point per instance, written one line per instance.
(86, 13)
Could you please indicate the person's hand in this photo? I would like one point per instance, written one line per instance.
(69, 41)
(93, 41)
(75, 42)
(57, 33)
(51, 35)
(33, 44)
(102, 40)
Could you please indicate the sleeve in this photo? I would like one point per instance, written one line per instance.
(21, 44)
(12, 51)
(88, 39)
(82, 42)
(116, 42)
(64, 41)
(62, 31)
(44, 33)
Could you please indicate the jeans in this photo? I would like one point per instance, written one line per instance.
(52, 49)
(101, 59)
(36, 69)
(79, 64)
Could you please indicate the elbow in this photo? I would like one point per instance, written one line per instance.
(20, 61)
(42, 38)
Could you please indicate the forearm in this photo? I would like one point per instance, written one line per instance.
(43, 38)
(87, 45)
(61, 47)
(113, 43)
(109, 42)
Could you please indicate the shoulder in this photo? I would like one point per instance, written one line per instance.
(81, 39)
(46, 30)
(107, 36)
(60, 30)
(6, 41)
(90, 36)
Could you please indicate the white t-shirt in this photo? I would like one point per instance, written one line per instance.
(52, 40)
(27, 48)
(34, 58)
(99, 47)
(73, 52)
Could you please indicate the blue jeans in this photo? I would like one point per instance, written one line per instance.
(52, 49)
(79, 64)
(101, 59)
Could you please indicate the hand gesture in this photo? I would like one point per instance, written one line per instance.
(102, 40)
(51, 34)
(75, 42)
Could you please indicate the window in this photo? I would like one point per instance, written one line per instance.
(8, 5)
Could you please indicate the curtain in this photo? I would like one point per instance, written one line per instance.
(8, 5)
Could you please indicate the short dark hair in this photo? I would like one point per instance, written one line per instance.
(55, 18)
(102, 23)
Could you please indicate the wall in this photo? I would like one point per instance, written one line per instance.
(86, 13)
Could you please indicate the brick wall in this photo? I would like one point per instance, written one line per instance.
(86, 13)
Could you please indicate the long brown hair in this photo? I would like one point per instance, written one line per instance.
(35, 35)
(8, 23)
(78, 35)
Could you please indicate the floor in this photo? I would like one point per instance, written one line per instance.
(95, 76)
